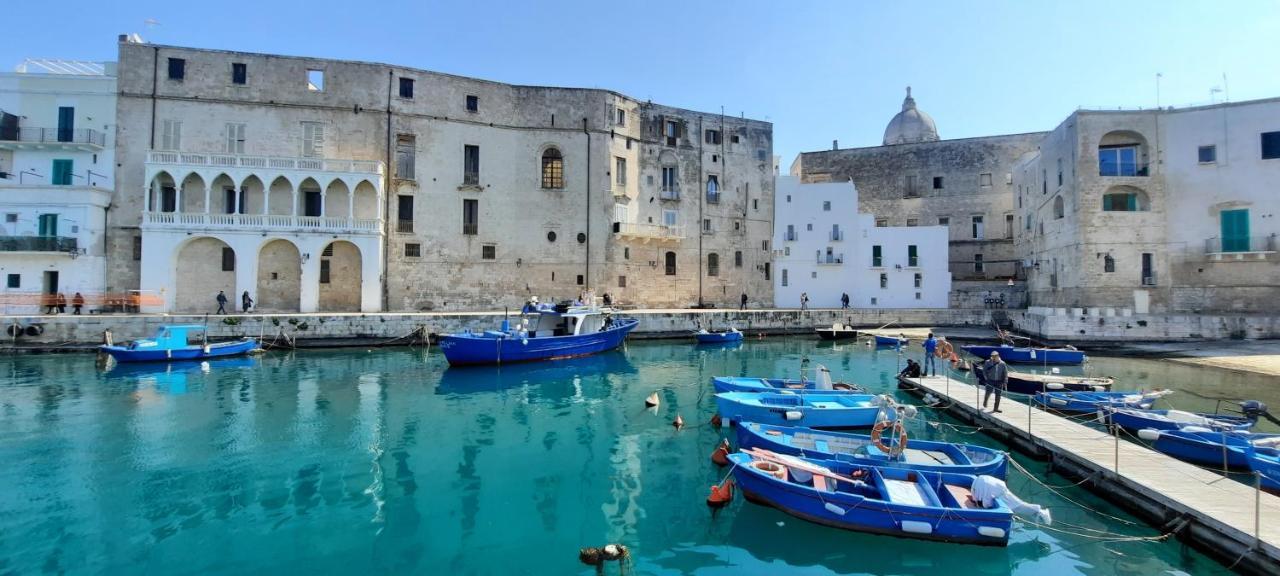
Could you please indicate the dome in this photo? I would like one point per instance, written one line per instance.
(910, 125)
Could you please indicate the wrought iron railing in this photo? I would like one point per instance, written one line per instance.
(1240, 244)
(54, 135)
(37, 244)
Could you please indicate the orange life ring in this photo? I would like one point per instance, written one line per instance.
(899, 430)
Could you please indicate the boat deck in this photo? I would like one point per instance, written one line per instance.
(1221, 511)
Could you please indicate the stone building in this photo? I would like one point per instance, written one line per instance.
(916, 179)
(349, 186)
(57, 141)
(1154, 211)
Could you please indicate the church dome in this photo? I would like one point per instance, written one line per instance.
(910, 125)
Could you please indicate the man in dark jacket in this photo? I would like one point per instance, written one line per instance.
(222, 302)
(995, 376)
(743, 305)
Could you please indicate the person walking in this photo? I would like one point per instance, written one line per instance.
(930, 366)
(844, 300)
(62, 303)
(77, 303)
(743, 305)
(245, 302)
(804, 301)
(222, 302)
(995, 375)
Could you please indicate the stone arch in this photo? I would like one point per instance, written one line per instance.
(1122, 153)
(219, 202)
(162, 187)
(670, 263)
(192, 198)
(1059, 207)
(255, 197)
(202, 266)
(366, 197)
(280, 196)
(310, 198)
(713, 264)
(279, 276)
(337, 199)
(340, 277)
(551, 168)
(1125, 199)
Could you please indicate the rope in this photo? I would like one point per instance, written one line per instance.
(1028, 474)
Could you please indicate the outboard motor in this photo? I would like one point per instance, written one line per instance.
(1253, 409)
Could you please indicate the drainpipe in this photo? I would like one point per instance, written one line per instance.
(386, 204)
(586, 280)
(155, 72)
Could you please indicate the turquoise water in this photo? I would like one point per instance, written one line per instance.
(360, 461)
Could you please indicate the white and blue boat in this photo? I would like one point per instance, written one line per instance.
(1082, 402)
(815, 410)
(922, 455)
(712, 337)
(1028, 354)
(1209, 448)
(822, 383)
(541, 333)
(178, 342)
(1027, 383)
(890, 341)
(1266, 462)
(890, 501)
(1139, 419)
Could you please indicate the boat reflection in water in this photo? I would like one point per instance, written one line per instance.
(494, 378)
(172, 377)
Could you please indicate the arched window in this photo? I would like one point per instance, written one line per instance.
(1125, 199)
(713, 264)
(1059, 208)
(552, 169)
(671, 263)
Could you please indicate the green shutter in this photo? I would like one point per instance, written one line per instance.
(61, 173)
(48, 225)
(1132, 202)
(1235, 230)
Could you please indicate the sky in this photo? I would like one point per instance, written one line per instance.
(819, 71)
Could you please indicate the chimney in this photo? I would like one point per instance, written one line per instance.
(835, 144)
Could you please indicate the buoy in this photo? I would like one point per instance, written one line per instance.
(721, 494)
(678, 422)
(652, 400)
(614, 552)
(716, 421)
(721, 454)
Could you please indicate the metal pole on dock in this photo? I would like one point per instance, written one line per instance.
(1029, 406)
(1116, 466)
(1257, 508)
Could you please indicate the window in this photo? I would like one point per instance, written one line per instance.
(1108, 263)
(978, 265)
(671, 131)
(14, 281)
(312, 203)
(11, 218)
(670, 261)
(1118, 161)
(826, 205)
(882, 222)
(913, 256)
(873, 300)
(620, 171)
(170, 135)
(315, 80)
(784, 276)
(470, 165)
(1008, 225)
(713, 189)
(239, 73)
(944, 220)
(626, 253)
(713, 264)
(1148, 269)
(324, 270)
(910, 190)
(1235, 230)
(137, 248)
(552, 169)
(1059, 208)
(61, 174)
(413, 250)
(984, 179)
(978, 231)
(47, 225)
(235, 138)
(670, 218)
(1270, 145)
(713, 137)
(912, 222)
(755, 203)
(1059, 172)
(877, 259)
(919, 281)
(706, 225)
(1122, 202)
(809, 227)
(1208, 154)
(1044, 181)
(312, 140)
(177, 68)
(737, 259)
(470, 216)
(404, 212)
(228, 259)
(230, 200)
(490, 252)
(734, 138)
(619, 117)
(473, 103)
(66, 123)
(406, 152)
(884, 280)
(669, 181)
(406, 88)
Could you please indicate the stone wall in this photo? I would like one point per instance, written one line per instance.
(200, 276)
(975, 294)
(1090, 325)
(342, 291)
(279, 277)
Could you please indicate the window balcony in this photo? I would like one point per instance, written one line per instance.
(1148, 278)
(85, 138)
(669, 194)
(1124, 169)
(648, 232)
(187, 221)
(713, 197)
(38, 244)
(831, 258)
(1240, 249)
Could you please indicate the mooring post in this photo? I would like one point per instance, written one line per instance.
(1257, 509)
(1116, 466)
(1029, 403)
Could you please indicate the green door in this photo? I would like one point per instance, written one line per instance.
(62, 172)
(48, 225)
(1235, 230)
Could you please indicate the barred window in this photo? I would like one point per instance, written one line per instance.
(552, 169)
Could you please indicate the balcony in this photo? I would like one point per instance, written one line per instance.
(836, 235)
(47, 137)
(1240, 249)
(713, 197)
(648, 232)
(186, 221)
(38, 244)
(265, 163)
(831, 259)
(669, 194)
(1124, 169)
(1148, 278)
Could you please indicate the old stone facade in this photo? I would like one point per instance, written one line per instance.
(917, 180)
(401, 189)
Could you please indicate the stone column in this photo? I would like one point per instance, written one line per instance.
(146, 197)
(207, 193)
(351, 204)
(309, 289)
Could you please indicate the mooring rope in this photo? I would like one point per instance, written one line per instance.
(1028, 474)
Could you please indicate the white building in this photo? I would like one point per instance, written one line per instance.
(57, 126)
(826, 248)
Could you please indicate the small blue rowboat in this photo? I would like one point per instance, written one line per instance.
(1028, 355)
(1095, 401)
(858, 448)
(815, 409)
(730, 335)
(891, 501)
(1207, 448)
(542, 334)
(890, 342)
(1138, 419)
(178, 342)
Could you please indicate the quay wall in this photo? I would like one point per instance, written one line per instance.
(1093, 325)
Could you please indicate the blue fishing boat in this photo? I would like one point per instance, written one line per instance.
(1138, 419)
(1208, 448)
(815, 410)
(178, 342)
(1028, 354)
(890, 341)
(891, 501)
(1266, 462)
(710, 337)
(862, 449)
(541, 333)
(1027, 383)
(821, 383)
(1094, 401)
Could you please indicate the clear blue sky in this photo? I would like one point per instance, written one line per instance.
(818, 70)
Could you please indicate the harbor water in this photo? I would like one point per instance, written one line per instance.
(387, 461)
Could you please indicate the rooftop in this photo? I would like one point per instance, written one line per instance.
(57, 66)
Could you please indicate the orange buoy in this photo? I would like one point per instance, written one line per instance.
(721, 454)
(715, 421)
(721, 494)
(678, 422)
(652, 400)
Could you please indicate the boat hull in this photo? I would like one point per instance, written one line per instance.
(1211, 449)
(1266, 462)
(158, 354)
(813, 414)
(1034, 384)
(472, 349)
(829, 334)
(1088, 402)
(1131, 419)
(718, 337)
(738, 384)
(1014, 355)
(888, 342)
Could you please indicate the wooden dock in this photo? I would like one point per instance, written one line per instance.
(1221, 517)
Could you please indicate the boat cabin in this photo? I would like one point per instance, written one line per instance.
(173, 337)
(571, 323)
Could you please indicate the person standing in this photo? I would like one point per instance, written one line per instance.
(844, 300)
(930, 348)
(995, 375)
(77, 303)
(743, 305)
(222, 302)
(804, 301)
(246, 302)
